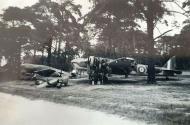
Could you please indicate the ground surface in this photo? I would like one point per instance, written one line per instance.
(166, 103)
(16, 110)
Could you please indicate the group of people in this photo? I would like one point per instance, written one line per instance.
(98, 70)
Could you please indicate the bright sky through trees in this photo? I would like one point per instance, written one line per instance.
(85, 8)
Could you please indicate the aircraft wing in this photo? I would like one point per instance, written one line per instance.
(170, 71)
(79, 60)
(27, 70)
(76, 66)
(35, 67)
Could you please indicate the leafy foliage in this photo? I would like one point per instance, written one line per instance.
(46, 26)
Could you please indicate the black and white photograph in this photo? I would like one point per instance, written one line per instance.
(94, 62)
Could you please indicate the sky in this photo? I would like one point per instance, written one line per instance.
(19, 3)
(22, 3)
(161, 28)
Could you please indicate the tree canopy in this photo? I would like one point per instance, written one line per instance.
(57, 32)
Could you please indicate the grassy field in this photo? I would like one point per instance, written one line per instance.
(165, 103)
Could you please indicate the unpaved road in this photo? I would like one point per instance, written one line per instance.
(15, 110)
(166, 103)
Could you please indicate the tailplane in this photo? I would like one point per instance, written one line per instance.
(170, 67)
(170, 64)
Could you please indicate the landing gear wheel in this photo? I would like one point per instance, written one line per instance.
(105, 79)
(66, 84)
(59, 85)
(126, 75)
(37, 82)
(95, 82)
(167, 78)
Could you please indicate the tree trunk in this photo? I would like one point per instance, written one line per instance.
(19, 61)
(15, 62)
(34, 56)
(150, 45)
(49, 51)
(59, 47)
(42, 56)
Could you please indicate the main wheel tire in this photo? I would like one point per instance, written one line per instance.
(37, 82)
(126, 75)
(105, 79)
(66, 84)
(59, 85)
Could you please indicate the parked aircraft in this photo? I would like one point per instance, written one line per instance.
(50, 77)
(168, 69)
(124, 66)
(44, 75)
(120, 66)
(99, 68)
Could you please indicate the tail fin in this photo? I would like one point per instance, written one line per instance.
(171, 63)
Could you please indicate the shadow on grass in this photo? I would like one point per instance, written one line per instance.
(137, 80)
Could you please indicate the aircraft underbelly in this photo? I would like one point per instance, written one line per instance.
(120, 70)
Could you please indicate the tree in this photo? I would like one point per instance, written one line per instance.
(14, 35)
(55, 26)
(113, 25)
(151, 11)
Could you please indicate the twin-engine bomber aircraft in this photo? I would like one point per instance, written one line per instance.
(120, 66)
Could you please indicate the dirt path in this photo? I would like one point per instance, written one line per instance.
(166, 103)
(16, 110)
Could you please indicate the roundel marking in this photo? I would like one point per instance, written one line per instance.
(141, 69)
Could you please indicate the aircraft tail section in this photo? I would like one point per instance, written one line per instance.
(170, 67)
(170, 64)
